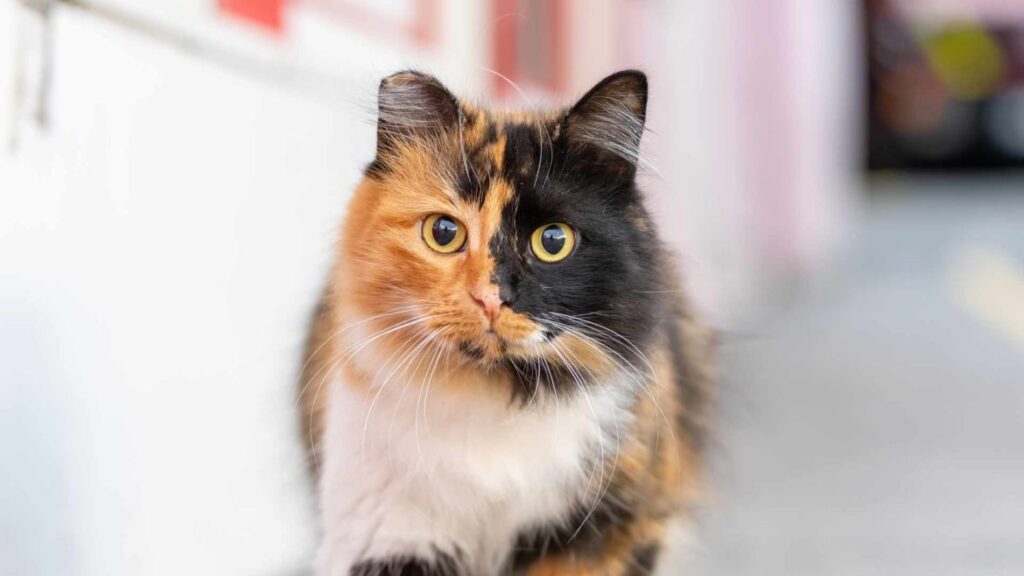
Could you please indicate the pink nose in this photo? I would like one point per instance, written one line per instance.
(488, 299)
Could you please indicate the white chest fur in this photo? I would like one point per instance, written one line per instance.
(407, 473)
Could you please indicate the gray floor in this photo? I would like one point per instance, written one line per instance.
(877, 426)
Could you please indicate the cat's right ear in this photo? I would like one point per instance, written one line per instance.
(410, 105)
(605, 126)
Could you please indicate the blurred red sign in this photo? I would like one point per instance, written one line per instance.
(265, 13)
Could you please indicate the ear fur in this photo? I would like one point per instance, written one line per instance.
(608, 121)
(412, 104)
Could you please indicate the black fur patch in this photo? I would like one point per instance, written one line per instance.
(583, 535)
(443, 565)
(476, 168)
(607, 289)
(527, 152)
(473, 180)
(471, 351)
(643, 560)
(530, 378)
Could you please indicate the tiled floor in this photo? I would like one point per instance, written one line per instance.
(877, 425)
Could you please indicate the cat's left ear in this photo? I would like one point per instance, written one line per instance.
(413, 105)
(607, 123)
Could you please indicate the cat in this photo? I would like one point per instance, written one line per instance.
(503, 376)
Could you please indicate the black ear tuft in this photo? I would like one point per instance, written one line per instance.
(608, 121)
(411, 103)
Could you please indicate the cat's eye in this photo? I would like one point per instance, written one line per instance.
(443, 233)
(553, 242)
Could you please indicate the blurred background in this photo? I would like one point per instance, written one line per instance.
(840, 178)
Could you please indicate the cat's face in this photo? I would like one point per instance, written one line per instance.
(515, 241)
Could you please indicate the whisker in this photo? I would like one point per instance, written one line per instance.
(412, 347)
(419, 361)
(338, 333)
(344, 357)
(634, 373)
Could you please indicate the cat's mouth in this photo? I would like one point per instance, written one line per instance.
(487, 342)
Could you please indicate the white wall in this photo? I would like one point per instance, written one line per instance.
(161, 246)
(693, 142)
(756, 134)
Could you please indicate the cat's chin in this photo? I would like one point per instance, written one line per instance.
(485, 351)
(489, 350)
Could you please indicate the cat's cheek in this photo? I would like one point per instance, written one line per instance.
(519, 328)
(535, 337)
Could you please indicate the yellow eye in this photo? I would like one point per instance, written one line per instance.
(443, 233)
(553, 242)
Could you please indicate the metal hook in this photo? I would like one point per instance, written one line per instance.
(32, 66)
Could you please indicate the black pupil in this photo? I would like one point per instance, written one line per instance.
(553, 239)
(444, 231)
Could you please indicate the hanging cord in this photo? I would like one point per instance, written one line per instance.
(31, 67)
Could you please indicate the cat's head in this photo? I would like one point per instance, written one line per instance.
(514, 242)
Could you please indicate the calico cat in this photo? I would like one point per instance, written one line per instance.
(503, 376)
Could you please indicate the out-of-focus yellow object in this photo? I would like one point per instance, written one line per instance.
(989, 285)
(968, 59)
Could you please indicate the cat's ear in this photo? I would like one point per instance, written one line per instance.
(411, 104)
(605, 126)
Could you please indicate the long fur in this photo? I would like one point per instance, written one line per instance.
(561, 437)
